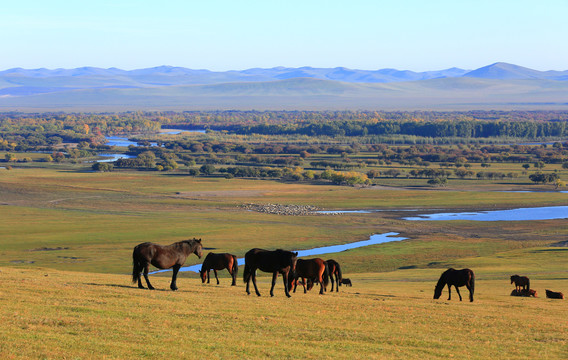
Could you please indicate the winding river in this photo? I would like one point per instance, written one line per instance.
(373, 240)
(124, 142)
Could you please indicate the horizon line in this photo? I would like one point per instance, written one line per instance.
(263, 68)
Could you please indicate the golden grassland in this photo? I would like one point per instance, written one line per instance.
(57, 315)
(68, 234)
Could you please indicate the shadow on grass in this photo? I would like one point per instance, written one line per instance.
(134, 287)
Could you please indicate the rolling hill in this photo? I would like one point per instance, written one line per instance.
(497, 86)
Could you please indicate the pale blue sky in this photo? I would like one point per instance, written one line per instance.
(219, 35)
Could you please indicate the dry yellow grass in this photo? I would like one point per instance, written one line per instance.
(49, 314)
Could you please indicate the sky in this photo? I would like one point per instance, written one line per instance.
(222, 35)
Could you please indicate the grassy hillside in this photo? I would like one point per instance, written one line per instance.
(66, 252)
(53, 315)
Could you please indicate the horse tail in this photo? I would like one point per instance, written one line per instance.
(325, 274)
(246, 273)
(339, 274)
(235, 267)
(136, 266)
(528, 284)
(472, 286)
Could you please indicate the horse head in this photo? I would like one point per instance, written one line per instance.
(198, 248)
(203, 276)
(440, 285)
(437, 292)
(293, 261)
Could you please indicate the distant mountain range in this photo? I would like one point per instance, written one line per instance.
(499, 85)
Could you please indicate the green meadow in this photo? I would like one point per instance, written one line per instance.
(66, 258)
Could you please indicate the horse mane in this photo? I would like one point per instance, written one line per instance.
(191, 242)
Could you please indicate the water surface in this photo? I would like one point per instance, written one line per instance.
(520, 214)
(373, 240)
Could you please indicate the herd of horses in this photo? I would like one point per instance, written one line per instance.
(294, 271)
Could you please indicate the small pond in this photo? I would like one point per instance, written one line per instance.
(114, 157)
(123, 141)
(373, 240)
(520, 214)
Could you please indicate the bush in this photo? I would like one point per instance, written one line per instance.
(207, 169)
(102, 167)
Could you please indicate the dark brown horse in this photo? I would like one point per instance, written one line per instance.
(457, 278)
(522, 283)
(346, 282)
(312, 271)
(525, 293)
(334, 270)
(219, 262)
(277, 261)
(554, 294)
(162, 257)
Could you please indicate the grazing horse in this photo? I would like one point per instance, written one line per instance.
(277, 261)
(314, 270)
(162, 257)
(522, 283)
(456, 278)
(219, 262)
(554, 294)
(346, 282)
(334, 270)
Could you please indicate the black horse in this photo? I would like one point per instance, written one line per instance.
(522, 283)
(277, 261)
(162, 257)
(457, 278)
(334, 270)
(219, 262)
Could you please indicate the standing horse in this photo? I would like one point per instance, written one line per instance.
(277, 261)
(457, 278)
(162, 257)
(314, 270)
(334, 270)
(522, 283)
(219, 262)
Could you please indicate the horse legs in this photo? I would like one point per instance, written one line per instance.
(274, 276)
(304, 281)
(254, 282)
(321, 286)
(208, 270)
(173, 285)
(138, 273)
(146, 270)
(470, 292)
(449, 292)
(331, 277)
(234, 275)
(458, 291)
(248, 285)
(285, 278)
(215, 271)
